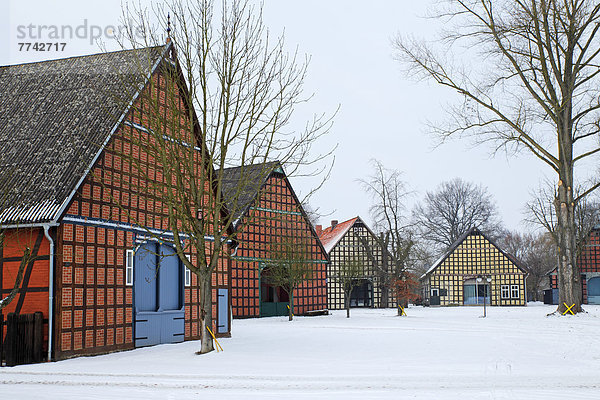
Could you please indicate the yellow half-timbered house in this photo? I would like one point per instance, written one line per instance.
(472, 271)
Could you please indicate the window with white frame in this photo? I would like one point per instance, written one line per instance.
(514, 291)
(188, 273)
(435, 292)
(129, 268)
(505, 292)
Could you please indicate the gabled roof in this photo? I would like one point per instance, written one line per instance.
(55, 119)
(473, 231)
(241, 185)
(331, 236)
(257, 175)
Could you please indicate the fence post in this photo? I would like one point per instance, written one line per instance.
(38, 336)
(10, 339)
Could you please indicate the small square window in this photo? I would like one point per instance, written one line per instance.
(129, 268)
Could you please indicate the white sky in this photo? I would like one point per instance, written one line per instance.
(382, 112)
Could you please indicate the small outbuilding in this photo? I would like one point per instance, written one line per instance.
(473, 271)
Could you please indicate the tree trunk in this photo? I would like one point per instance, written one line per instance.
(385, 295)
(569, 278)
(347, 305)
(205, 281)
(291, 309)
(385, 271)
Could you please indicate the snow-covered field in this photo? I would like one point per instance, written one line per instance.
(434, 353)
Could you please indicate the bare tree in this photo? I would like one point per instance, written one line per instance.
(225, 97)
(290, 266)
(389, 193)
(452, 209)
(535, 86)
(537, 254)
(540, 212)
(349, 273)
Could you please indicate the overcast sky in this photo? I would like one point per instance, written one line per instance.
(382, 112)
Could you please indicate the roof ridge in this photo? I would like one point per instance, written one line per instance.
(80, 56)
(330, 229)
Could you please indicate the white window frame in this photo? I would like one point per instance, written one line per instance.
(435, 290)
(514, 289)
(129, 261)
(188, 273)
(505, 291)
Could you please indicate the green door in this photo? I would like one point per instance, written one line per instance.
(274, 301)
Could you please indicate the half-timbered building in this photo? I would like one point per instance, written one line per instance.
(352, 240)
(68, 192)
(473, 271)
(269, 213)
(588, 262)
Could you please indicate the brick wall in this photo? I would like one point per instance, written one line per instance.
(275, 216)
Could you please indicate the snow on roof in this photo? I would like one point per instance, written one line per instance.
(331, 236)
(435, 264)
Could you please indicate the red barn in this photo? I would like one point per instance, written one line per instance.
(67, 192)
(270, 213)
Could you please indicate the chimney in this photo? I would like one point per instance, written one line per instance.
(334, 222)
(319, 229)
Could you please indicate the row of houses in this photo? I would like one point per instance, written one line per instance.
(101, 270)
(101, 273)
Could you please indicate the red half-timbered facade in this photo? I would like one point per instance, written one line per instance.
(72, 199)
(588, 262)
(271, 213)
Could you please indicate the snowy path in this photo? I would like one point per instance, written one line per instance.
(515, 353)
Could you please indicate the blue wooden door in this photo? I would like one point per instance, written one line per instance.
(223, 314)
(158, 296)
(593, 290)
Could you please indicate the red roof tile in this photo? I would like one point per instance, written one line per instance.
(331, 236)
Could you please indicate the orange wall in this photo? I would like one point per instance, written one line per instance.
(33, 293)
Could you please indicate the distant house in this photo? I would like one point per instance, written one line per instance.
(353, 240)
(588, 262)
(64, 192)
(453, 279)
(270, 214)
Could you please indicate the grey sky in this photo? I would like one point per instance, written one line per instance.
(382, 112)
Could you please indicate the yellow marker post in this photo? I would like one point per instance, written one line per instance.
(289, 308)
(402, 312)
(215, 339)
(569, 309)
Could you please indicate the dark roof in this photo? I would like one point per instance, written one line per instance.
(55, 118)
(461, 238)
(242, 184)
(239, 197)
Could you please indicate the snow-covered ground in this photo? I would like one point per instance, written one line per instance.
(434, 353)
